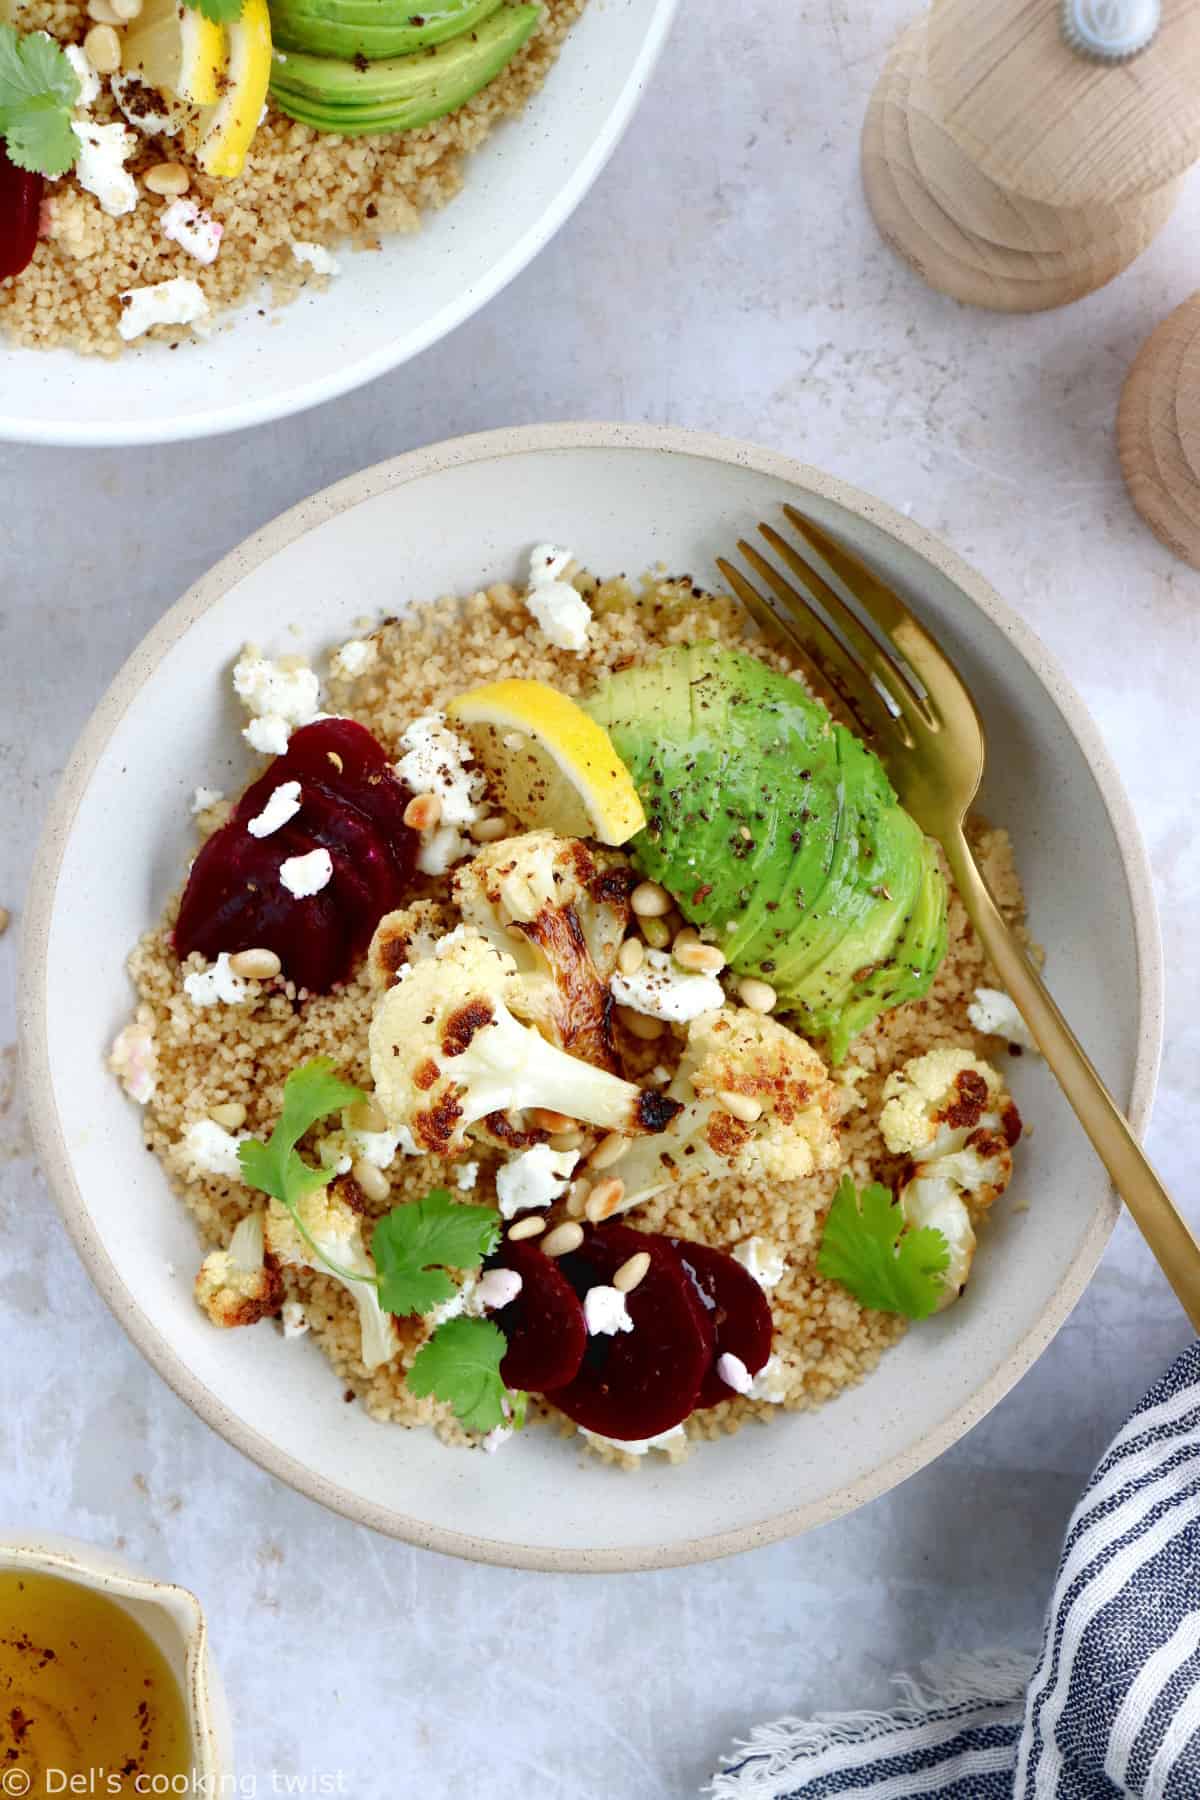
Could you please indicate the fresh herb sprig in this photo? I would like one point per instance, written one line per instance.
(868, 1247)
(461, 1365)
(38, 92)
(414, 1245)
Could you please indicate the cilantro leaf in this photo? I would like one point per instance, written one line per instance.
(221, 12)
(38, 89)
(867, 1247)
(461, 1365)
(413, 1245)
(310, 1093)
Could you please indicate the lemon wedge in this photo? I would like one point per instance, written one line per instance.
(177, 50)
(554, 766)
(224, 132)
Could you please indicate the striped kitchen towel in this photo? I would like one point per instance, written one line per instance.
(1110, 1707)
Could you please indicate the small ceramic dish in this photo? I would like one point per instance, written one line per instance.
(450, 519)
(170, 1616)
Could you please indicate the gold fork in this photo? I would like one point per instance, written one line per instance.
(904, 697)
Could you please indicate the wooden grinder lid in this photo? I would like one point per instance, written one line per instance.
(1044, 121)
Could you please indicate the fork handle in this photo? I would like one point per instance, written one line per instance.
(1157, 1218)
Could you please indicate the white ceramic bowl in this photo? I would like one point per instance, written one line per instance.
(384, 308)
(448, 519)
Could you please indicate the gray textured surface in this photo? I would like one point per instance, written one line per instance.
(723, 274)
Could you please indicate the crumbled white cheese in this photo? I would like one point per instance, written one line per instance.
(434, 761)
(463, 1301)
(466, 1176)
(332, 1153)
(770, 1383)
(316, 256)
(195, 231)
(561, 611)
(734, 1373)
(219, 983)
(355, 656)
(441, 848)
(177, 302)
(295, 1318)
(499, 1435)
(212, 1150)
(377, 1147)
(100, 168)
(304, 876)
(283, 805)
(89, 81)
(993, 1011)
(268, 736)
(278, 699)
(533, 1178)
(408, 1142)
(662, 990)
(134, 1060)
(203, 798)
(675, 1439)
(499, 1287)
(148, 110)
(761, 1259)
(605, 1310)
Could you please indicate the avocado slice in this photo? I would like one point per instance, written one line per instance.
(780, 830)
(399, 93)
(370, 28)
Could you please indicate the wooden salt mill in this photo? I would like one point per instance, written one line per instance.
(1158, 431)
(1020, 153)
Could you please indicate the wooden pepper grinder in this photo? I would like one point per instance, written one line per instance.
(1020, 153)
(1158, 431)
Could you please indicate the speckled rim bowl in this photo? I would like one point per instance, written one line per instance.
(386, 306)
(171, 1617)
(449, 519)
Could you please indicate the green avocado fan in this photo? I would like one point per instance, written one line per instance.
(780, 830)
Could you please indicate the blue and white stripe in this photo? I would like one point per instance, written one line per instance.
(1111, 1707)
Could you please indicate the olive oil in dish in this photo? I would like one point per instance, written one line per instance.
(83, 1691)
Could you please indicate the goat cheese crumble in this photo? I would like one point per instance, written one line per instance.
(219, 983)
(734, 1373)
(283, 805)
(148, 111)
(89, 81)
(605, 1311)
(195, 231)
(498, 1288)
(355, 656)
(203, 798)
(561, 611)
(212, 1150)
(295, 1318)
(304, 876)
(662, 990)
(177, 302)
(533, 1178)
(278, 697)
(466, 1176)
(100, 168)
(994, 1012)
(675, 1439)
(434, 761)
(315, 256)
(762, 1260)
(770, 1383)
(134, 1060)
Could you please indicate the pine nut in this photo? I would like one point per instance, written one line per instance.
(702, 959)
(639, 1025)
(609, 1150)
(422, 812)
(373, 1182)
(332, 755)
(230, 1114)
(366, 1115)
(630, 956)
(565, 1140)
(546, 1119)
(759, 996)
(490, 830)
(656, 932)
(102, 47)
(102, 12)
(650, 901)
(126, 10)
(604, 1199)
(255, 965)
(562, 1240)
(576, 1200)
(533, 1226)
(742, 1106)
(632, 1272)
(167, 178)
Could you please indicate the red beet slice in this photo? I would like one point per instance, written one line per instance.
(234, 900)
(636, 1384)
(544, 1325)
(738, 1309)
(20, 203)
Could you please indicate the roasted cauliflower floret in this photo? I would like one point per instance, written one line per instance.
(405, 937)
(756, 1101)
(950, 1113)
(237, 1286)
(447, 1053)
(560, 911)
(335, 1246)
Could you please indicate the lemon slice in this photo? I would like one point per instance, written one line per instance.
(554, 766)
(223, 133)
(177, 50)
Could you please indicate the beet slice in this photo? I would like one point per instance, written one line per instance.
(636, 1384)
(234, 900)
(544, 1325)
(20, 209)
(738, 1309)
(366, 778)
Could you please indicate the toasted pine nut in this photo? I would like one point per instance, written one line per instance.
(332, 755)
(609, 1150)
(126, 10)
(650, 901)
(630, 956)
(102, 47)
(576, 1200)
(490, 830)
(171, 178)
(563, 1239)
(101, 11)
(255, 965)
(533, 1226)
(639, 1025)
(373, 1182)
(548, 1120)
(423, 812)
(604, 1199)
(230, 1114)
(565, 1140)
(366, 1115)
(759, 996)
(702, 959)
(656, 932)
(742, 1106)
(5, 920)
(632, 1272)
